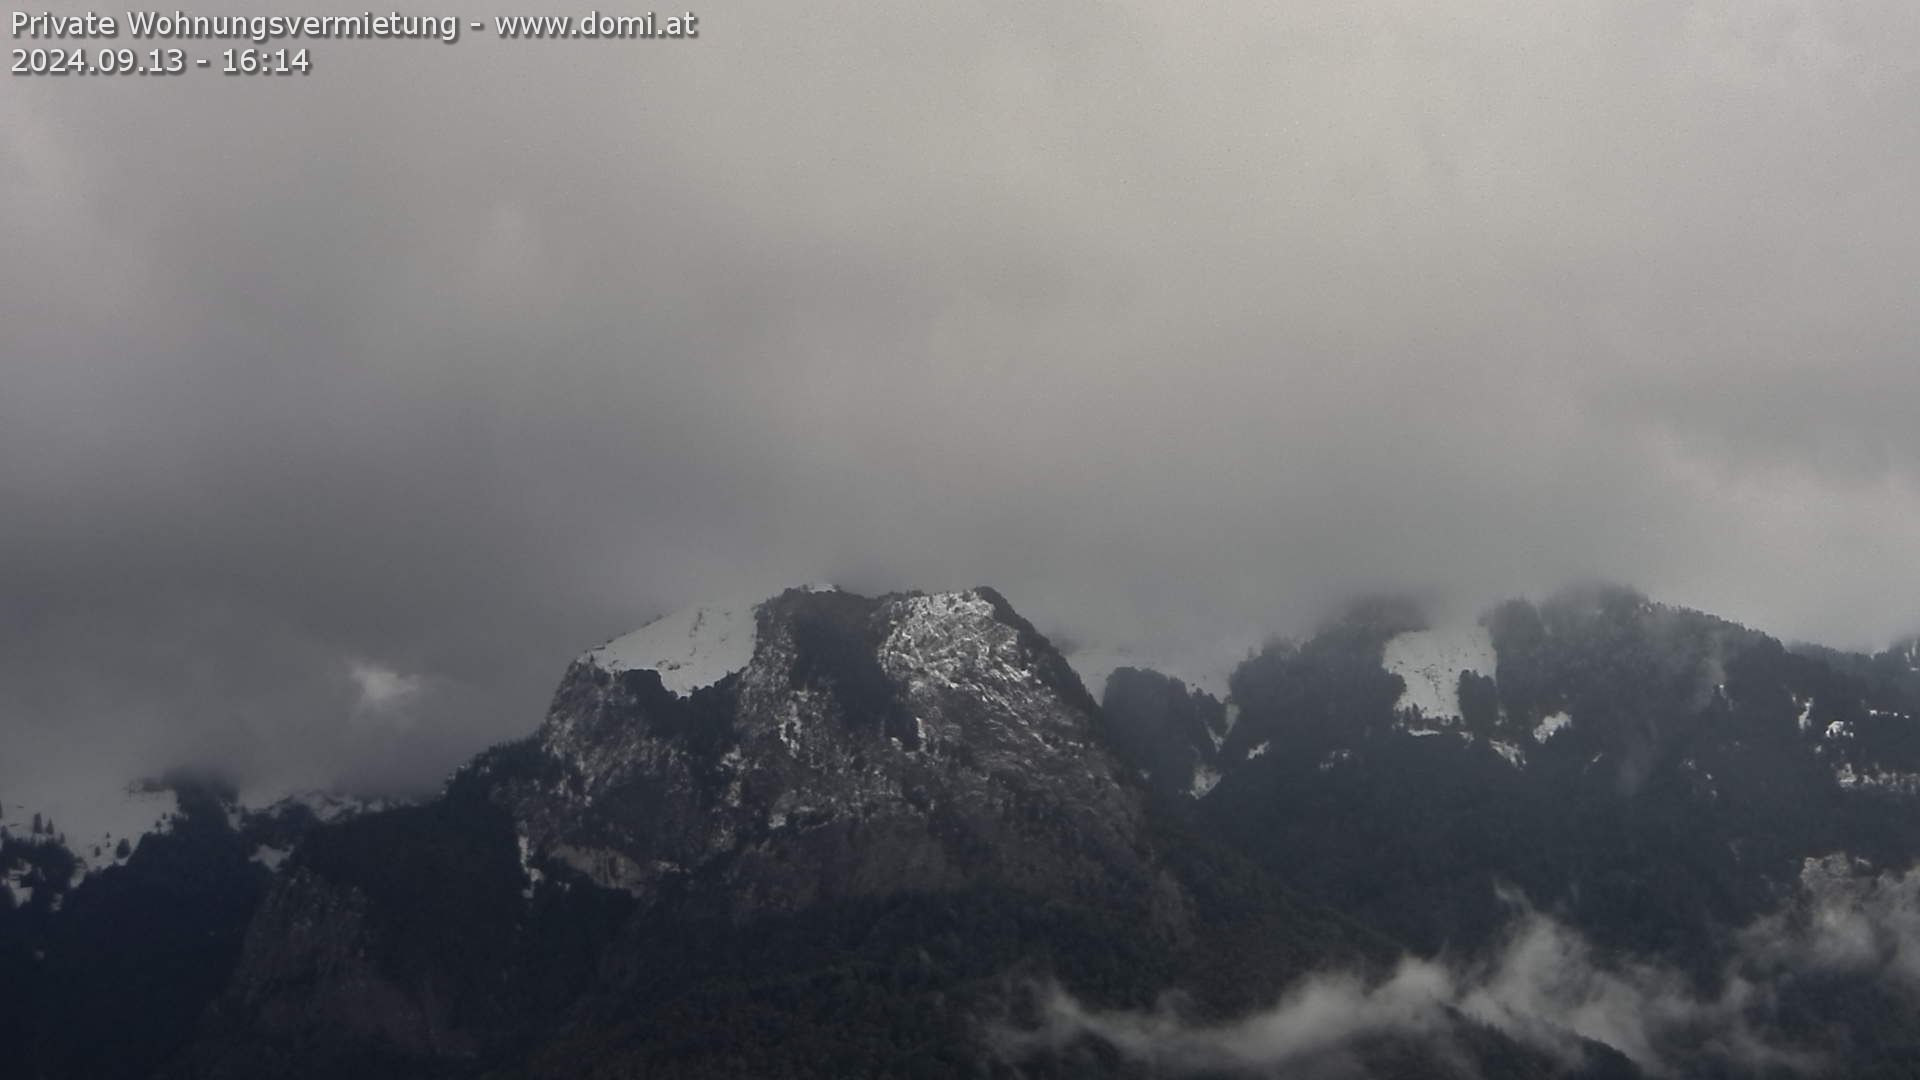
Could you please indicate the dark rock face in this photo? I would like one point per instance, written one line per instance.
(1170, 734)
(312, 934)
(398, 935)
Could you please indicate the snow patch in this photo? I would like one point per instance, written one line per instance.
(1852, 779)
(788, 729)
(271, 857)
(1515, 756)
(1806, 713)
(1550, 725)
(1205, 777)
(1430, 663)
(1258, 750)
(528, 871)
(692, 648)
(15, 883)
(85, 819)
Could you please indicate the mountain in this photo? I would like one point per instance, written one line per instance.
(114, 937)
(857, 747)
(1608, 754)
(1672, 787)
(842, 822)
(823, 834)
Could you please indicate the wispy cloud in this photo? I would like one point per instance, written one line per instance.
(1544, 985)
(383, 692)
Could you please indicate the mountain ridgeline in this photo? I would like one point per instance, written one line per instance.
(832, 835)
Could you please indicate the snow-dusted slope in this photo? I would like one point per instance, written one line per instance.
(1430, 663)
(916, 719)
(86, 820)
(691, 648)
(91, 821)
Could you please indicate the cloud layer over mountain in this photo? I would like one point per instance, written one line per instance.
(437, 366)
(1543, 985)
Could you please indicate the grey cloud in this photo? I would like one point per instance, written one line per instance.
(1543, 986)
(1847, 919)
(459, 359)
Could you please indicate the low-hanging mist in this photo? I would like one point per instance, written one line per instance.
(1544, 985)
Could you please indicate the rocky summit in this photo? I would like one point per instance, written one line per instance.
(861, 747)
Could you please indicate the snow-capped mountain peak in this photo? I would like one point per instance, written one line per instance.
(921, 715)
(691, 648)
(1430, 663)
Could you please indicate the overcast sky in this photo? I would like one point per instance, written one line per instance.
(338, 412)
